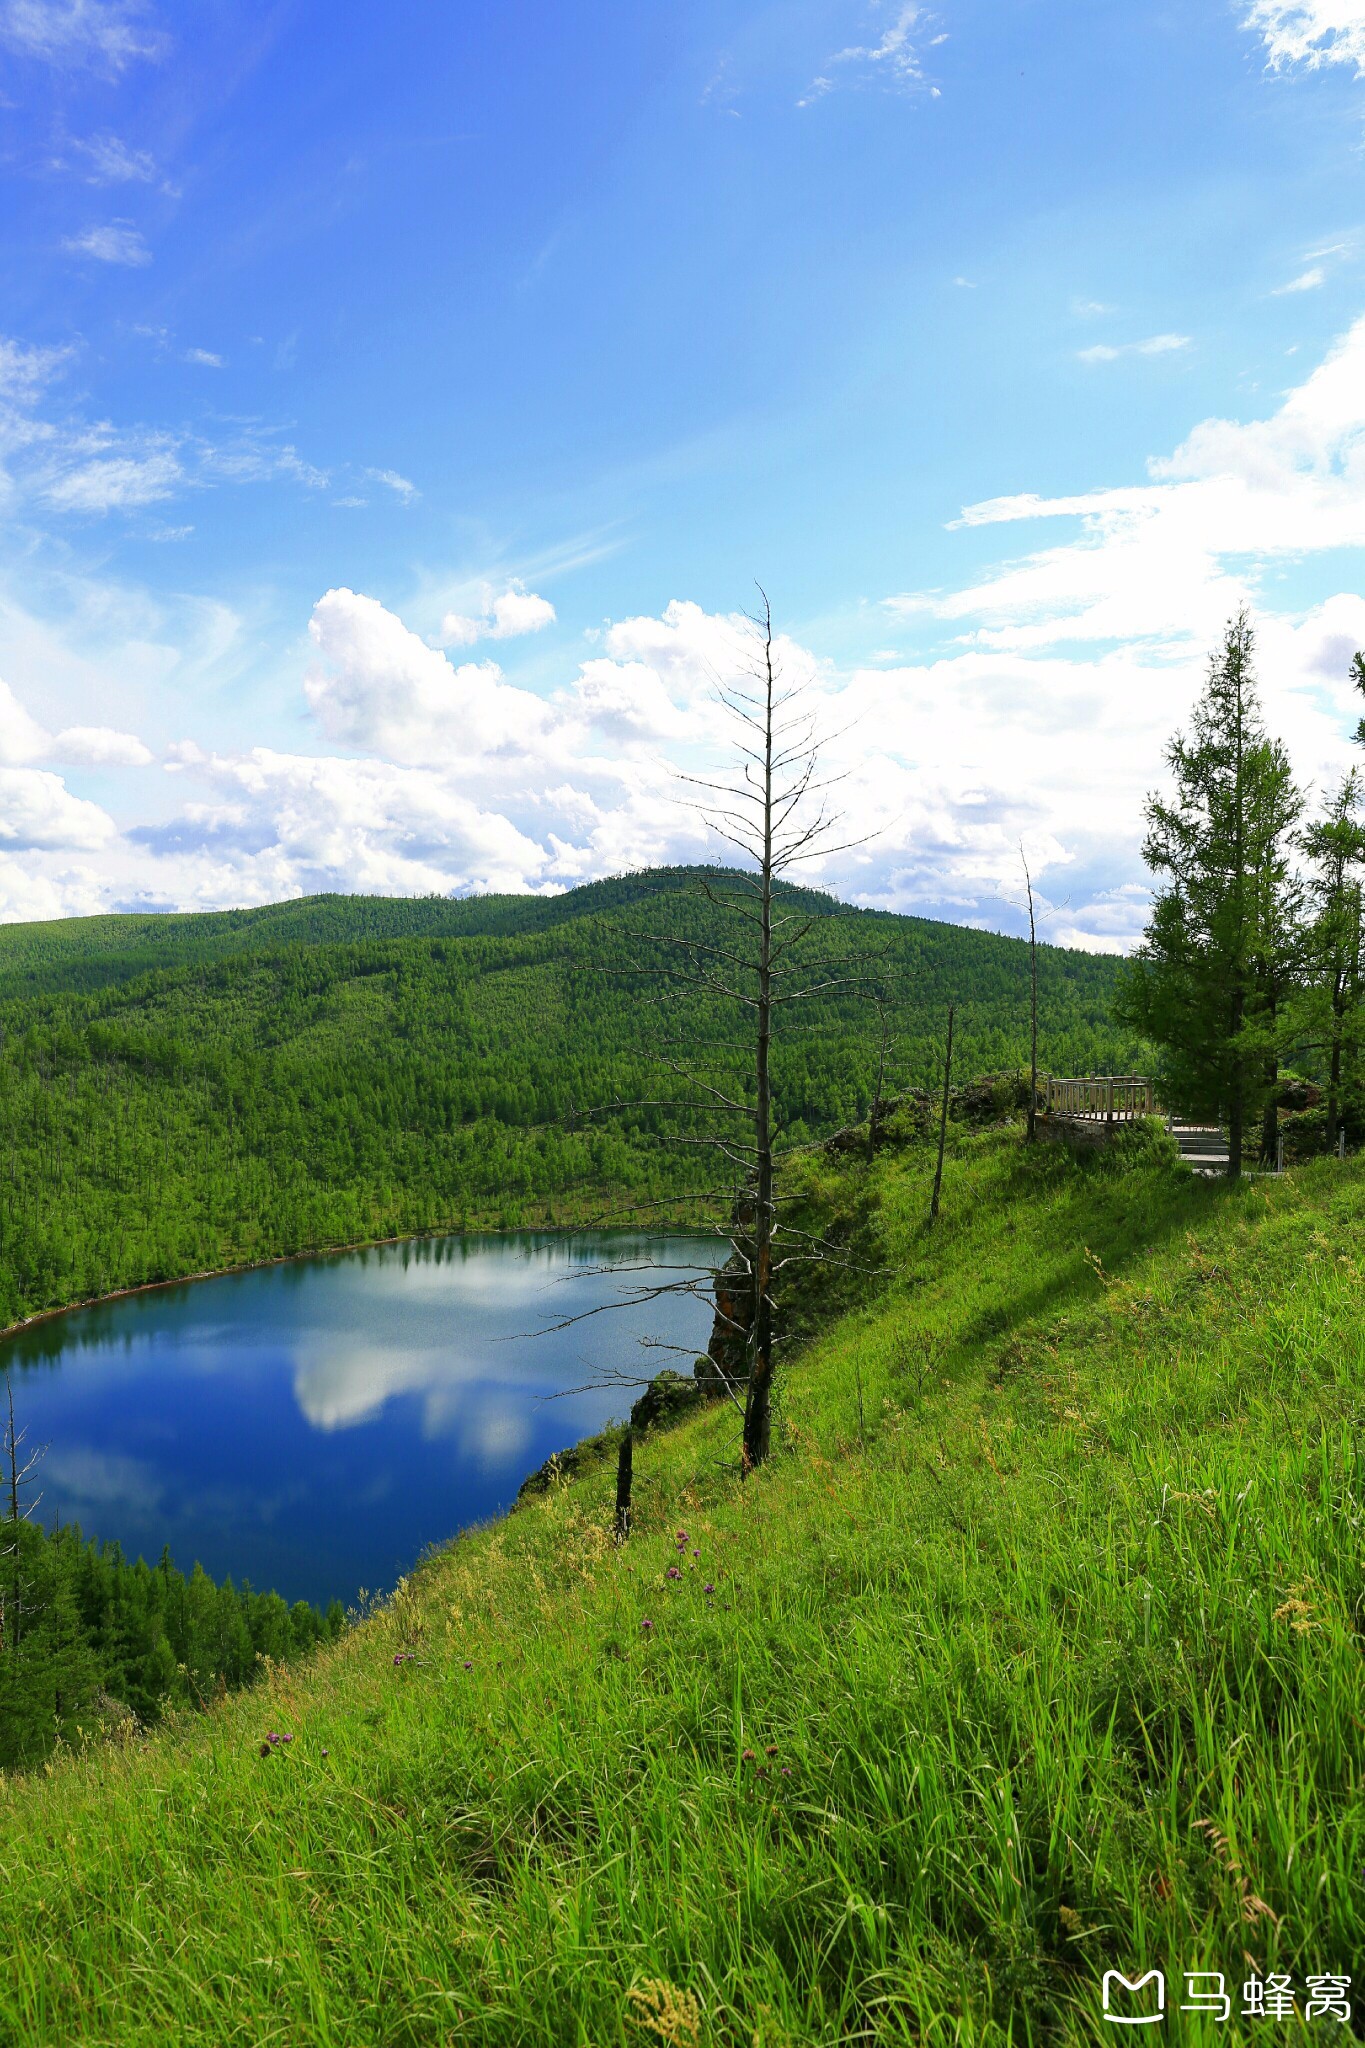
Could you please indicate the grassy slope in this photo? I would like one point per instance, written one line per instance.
(1059, 1668)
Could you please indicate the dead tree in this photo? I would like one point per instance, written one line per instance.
(773, 809)
(19, 1472)
(625, 1464)
(874, 1115)
(1033, 1004)
(943, 1117)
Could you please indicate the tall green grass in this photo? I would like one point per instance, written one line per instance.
(1036, 1651)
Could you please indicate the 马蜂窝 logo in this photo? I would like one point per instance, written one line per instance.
(1133, 2001)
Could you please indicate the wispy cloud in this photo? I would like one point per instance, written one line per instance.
(1154, 345)
(110, 162)
(115, 483)
(25, 371)
(392, 481)
(114, 243)
(893, 61)
(112, 33)
(1310, 32)
(206, 357)
(1308, 281)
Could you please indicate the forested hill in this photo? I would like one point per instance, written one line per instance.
(186, 1092)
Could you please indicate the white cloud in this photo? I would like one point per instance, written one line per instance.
(38, 811)
(73, 464)
(116, 242)
(1041, 713)
(1310, 32)
(1154, 345)
(111, 162)
(893, 60)
(506, 616)
(115, 483)
(1307, 281)
(392, 481)
(206, 357)
(24, 740)
(100, 746)
(25, 371)
(112, 32)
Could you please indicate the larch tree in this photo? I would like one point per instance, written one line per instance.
(1208, 982)
(1330, 1018)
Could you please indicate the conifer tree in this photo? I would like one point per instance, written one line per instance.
(1331, 1005)
(1208, 983)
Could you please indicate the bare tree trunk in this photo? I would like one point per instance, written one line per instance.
(943, 1117)
(758, 1402)
(874, 1115)
(12, 1446)
(1237, 1103)
(625, 1461)
(1033, 1006)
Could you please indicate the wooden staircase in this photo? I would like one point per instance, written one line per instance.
(1203, 1147)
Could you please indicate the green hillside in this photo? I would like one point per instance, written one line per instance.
(182, 1093)
(1034, 1652)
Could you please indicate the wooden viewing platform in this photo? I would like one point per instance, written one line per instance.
(1100, 1098)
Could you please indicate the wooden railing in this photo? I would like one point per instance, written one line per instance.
(1117, 1098)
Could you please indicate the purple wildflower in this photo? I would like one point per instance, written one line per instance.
(646, 1624)
(324, 1752)
(708, 1589)
(786, 1770)
(673, 1572)
(469, 1663)
(747, 1757)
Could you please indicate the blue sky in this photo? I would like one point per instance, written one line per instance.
(396, 406)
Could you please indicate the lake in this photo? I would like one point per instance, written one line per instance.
(313, 1427)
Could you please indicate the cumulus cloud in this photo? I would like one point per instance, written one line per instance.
(38, 811)
(1310, 32)
(100, 746)
(116, 242)
(111, 33)
(23, 739)
(1039, 711)
(506, 615)
(377, 685)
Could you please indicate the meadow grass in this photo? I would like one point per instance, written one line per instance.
(1035, 1650)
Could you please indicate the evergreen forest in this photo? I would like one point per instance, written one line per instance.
(180, 1094)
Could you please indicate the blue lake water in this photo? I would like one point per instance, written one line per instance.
(313, 1427)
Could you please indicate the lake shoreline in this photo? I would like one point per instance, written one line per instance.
(321, 1251)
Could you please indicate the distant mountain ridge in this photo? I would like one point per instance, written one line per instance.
(192, 1091)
